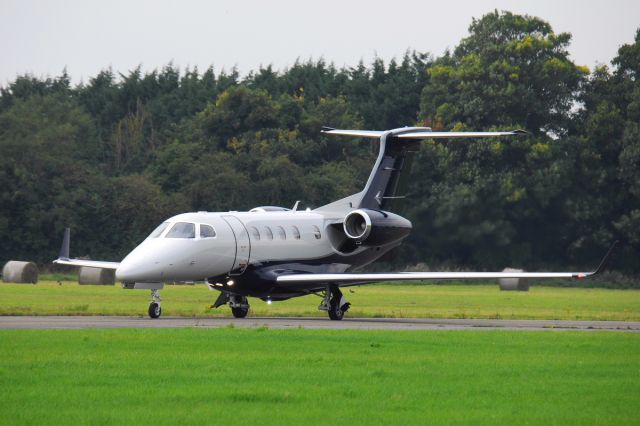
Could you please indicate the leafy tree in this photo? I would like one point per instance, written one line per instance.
(511, 69)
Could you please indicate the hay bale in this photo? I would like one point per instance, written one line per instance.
(511, 284)
(96, 276)
(15, 271)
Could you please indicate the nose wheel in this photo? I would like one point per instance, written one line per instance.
(155, 310)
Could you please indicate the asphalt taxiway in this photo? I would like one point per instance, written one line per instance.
(83, 322)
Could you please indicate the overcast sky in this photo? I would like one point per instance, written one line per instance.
(43, 37)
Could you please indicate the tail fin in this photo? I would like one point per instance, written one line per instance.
(389, 176)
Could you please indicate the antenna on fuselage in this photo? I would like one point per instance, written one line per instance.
(295, 206)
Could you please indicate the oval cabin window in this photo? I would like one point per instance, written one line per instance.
(268, 233)
(295, 231)
(255, 233)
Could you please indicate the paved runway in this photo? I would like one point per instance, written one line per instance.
(69, 322)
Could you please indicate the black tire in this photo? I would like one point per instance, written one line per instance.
(155, 310)
(239, 312)
(335, 313)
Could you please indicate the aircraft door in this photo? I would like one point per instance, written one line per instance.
(243, 245)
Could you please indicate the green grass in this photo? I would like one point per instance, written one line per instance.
(386, 300)
(265, 376)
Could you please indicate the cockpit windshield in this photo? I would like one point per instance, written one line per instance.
(182, 230)
(156, 232)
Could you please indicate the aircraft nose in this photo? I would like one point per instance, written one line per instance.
(125, 272)
(138, 268)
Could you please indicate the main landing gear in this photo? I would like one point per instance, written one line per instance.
(239, 304)
(155, 310)
(334, 303)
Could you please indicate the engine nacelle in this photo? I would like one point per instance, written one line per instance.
(372, 227)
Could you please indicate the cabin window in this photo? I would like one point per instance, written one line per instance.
(182, 230)
(207, 231)
(255, 233)
(281, 233)
(268, 233)
(295, 231)
(156, 232)
(316, 232)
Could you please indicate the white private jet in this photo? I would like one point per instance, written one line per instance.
(275, 253)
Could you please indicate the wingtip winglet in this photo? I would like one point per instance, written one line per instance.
(605, 259)
(64, 249)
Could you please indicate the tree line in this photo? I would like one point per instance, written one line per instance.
(114, 156)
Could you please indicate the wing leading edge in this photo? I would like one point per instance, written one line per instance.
(425, 276)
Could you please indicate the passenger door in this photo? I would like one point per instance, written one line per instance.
(243, 245)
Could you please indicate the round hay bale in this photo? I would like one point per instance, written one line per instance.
(15, 271)
(96, 276)
(511, 284)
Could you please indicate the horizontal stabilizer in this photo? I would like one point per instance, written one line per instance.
(419, 133)
(457, 135)
(362, 133)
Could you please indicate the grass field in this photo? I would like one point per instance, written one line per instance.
(385, 300)
(265, 376)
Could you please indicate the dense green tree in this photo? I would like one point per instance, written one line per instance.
(511, 69)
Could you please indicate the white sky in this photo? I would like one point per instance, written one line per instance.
(43, 37)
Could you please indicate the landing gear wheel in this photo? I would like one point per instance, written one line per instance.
(239, 305)
(335, 312)
(337, 305)
(155, 310)
(239, 312)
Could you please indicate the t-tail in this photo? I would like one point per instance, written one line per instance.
(388, 180)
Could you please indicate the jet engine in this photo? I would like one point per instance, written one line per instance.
(372, 227)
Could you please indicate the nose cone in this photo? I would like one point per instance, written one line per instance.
(141, 265)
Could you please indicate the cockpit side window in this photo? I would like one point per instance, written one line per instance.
(182, 230)
(156, 232)
(207, 231)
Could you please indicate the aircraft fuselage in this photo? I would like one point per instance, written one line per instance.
(248, 250)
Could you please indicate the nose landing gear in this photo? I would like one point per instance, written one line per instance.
(155, 310)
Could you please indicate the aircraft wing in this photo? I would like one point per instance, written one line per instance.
(63, 257)
(90, 263)
(356, 278)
